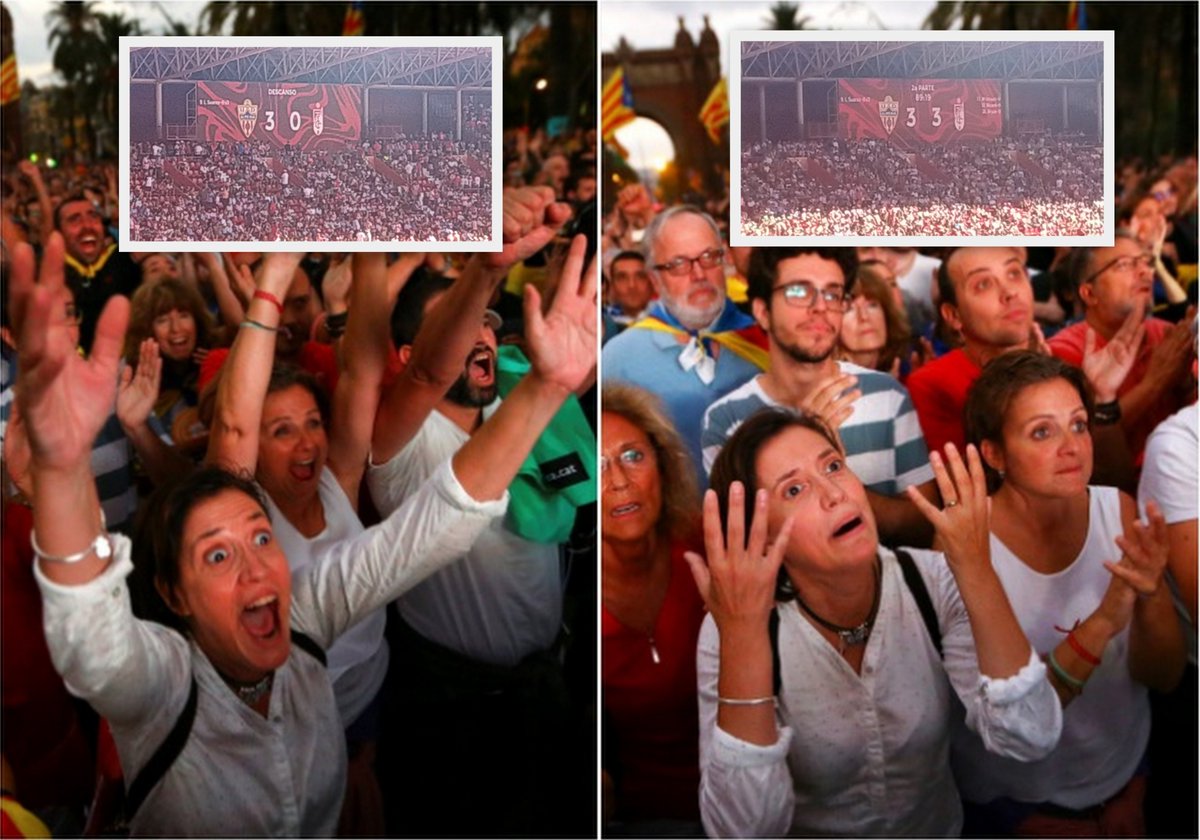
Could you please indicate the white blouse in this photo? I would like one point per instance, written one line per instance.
(867, 755)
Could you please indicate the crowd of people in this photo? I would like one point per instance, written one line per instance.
(345, 578)
(1029, 412)
(1036, 186)
(423, 189)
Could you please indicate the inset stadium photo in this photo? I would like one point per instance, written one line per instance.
(305, 144)
(936, 138)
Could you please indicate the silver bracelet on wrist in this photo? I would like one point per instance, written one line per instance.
(101, 546)
(745, 701)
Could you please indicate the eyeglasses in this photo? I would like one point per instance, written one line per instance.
(682, 266)
(631, 459)
(863, 305)
(805, 294)
(1124, 265)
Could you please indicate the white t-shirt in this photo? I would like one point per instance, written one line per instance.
(358, 660)
(503, 600)
(1169, 478)
(1106, 728)
(918, 281)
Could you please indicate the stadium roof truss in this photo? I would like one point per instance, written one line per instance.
(450, 67)
(1057, 60)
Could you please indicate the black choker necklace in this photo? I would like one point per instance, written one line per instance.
(252, 693)
(849, 636)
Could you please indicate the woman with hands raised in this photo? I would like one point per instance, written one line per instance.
(1085, 579)
(841, 724)
(266, 742)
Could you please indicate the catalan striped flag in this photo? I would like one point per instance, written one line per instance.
(616, 105)
(1076, 15)
(714, 113)
(10, 87)
(354, 23)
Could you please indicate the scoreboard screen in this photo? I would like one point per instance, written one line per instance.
(307, 116)
(916, 112)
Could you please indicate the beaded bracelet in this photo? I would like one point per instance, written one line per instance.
(1071, 682)
(269, 298)
(748, 701)
(250, 322)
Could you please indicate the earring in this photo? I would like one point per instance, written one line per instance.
(1001, 474)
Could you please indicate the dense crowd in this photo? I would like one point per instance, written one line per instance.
(429, 189)
(851, 407)
(415, 639)
(1034, 186)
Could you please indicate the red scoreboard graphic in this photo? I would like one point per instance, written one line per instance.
(309, 117)
(916, 112)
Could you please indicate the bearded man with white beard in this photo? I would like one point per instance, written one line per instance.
(694, 346)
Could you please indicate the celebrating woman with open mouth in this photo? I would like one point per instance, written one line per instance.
(265, 753)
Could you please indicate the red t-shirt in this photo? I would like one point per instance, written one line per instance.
(318, 359)
(939, 394)
(1067, 344)
(652, 707)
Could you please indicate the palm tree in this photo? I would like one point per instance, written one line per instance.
(73, 38)
(1154, 66)
(105, 72)
(786, 16)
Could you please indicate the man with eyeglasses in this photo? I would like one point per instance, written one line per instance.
(798, 296)
(1115, 285)
(694, 346)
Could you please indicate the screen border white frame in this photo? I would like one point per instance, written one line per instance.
(738, 37)
(492, 42)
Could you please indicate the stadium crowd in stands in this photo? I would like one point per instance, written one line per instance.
(428, 189)
(1008, 187)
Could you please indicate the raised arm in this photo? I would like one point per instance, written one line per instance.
(746, 788)
(233, 436)
(531, 218)
(136, 396)
(31, 171)
(562, 350)
(64, 400)
(365, 356)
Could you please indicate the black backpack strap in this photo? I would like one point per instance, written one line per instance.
(163, 757)
(773, 632)
(306, 644)
(916, 585)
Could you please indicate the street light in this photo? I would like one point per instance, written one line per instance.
(541, 84)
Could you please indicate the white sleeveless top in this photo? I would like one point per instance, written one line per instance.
(358, 660)
(1106, 728)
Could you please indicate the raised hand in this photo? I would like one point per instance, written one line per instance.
(1145, 551)
(531, 219)
(64, 398)
(335, 287)
(737, 582)
(138, 391)
(562, 343)
(833, 399)
(962, 523)
(1106, 369)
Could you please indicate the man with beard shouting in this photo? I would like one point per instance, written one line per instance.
(474, 737)
(799, 296)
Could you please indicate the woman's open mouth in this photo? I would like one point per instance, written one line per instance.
(261, 618)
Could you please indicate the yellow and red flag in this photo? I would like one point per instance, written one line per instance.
(714, 113)
(354, 23)
(10, 87)
(616, 105)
